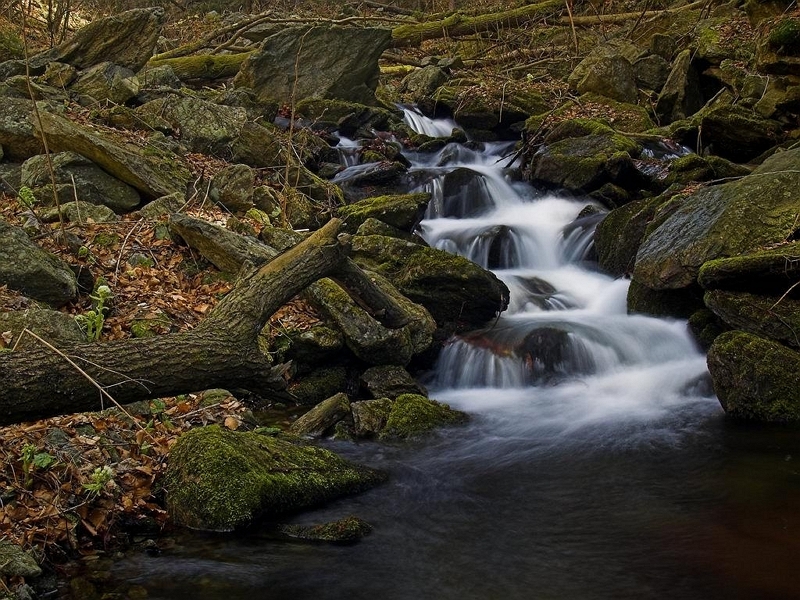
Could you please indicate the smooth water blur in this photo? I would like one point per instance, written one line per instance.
(597, 463)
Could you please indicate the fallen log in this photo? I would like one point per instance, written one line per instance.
(222, 351)
(205, 67)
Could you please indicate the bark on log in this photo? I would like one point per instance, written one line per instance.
(458, 24)
(221, 352)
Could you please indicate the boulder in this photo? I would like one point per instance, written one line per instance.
(778, 46)
(348, 118)
(25, 267)
(316, 62)
(413, 415)
(165, 205)
(623, 116)
(389, 381)
(322, 417)
(651, 72)
(151, 169)
(738, 133)
(218, 480)
(610, 76)
(126, 39)
(423, 82)
(200, 125)
(764, 316)
(765, 271)
(80, 212)
(723, 221)
(77, 176)
(754, 378)
(678, 304)
(107, 81)
(456, 291)
(619, 234)
(403, 212)
(680, 96)
(235, 184)
(370, 416)
(58, 328)
(316, 386)
(15, 562)
(17, 134)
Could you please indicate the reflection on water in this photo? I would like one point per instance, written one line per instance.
(597, 463)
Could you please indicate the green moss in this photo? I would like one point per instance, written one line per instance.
(754, 378)
(705, 327)
(403, 211)
(105, 239)
(786, 36)
(412, 415)
(349, 529)
(318, 385)
(773, 270)
(219, 479)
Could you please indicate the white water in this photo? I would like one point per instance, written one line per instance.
(566, 355)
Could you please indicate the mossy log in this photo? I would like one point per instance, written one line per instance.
(459, 24)
(205, 67)
(222, 351)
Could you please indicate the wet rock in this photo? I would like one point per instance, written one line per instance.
(126, 39)
(26, 267)
(322, 417)
(316, 62)
(679, 303)
(766, 271)
(403, 212)
(456, 291)
(764, 316)
(314, 387)
(738, 133)
(719, 221)
(77, 176)
(370, 416)
(754, 378)
(705, 327)
(349, 118)
(390, 381)
(413, 415)
(152, 170)
(346, 530)
(619, 234)
(464, 194)
(219, 480)
(651, 72)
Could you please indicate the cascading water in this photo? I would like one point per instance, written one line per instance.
(596, 465)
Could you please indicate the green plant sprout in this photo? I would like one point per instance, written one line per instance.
(98, 479)
(26, 197)
(92, 321)
(32, 460)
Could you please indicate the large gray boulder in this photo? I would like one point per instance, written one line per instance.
(680, 96)
(219, 480)
(77, 176)
(316, 62)
(723, 221)
(151, 169)
(26, 267)
(17, 134)
(107, 81)
(127, 39)
(610, 76)
(738, 133)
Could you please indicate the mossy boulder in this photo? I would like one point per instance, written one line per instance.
(693, 168)
(234, 186)
(680, 96)
(483, 108)
(754, 378)
(403, 212)
(15, 562)
(738, 133)
(705, 327)
(17, 133)
(314, 387)
(610, 76)
(219, 480)
(581, 155)
(306, 347)
(619, 234)
(421, 83)
(778, 46)
(370, 416)
(680, 304)
(723, 221)
(413, 415)
(765, 271)
(764, 316)
(455, 291)
(389, 381)
(624, 116)
(79, 212)
(107, 81)
(651, 72)
(58, 328)
(348, 117)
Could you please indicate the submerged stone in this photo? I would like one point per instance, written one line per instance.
(346, 530)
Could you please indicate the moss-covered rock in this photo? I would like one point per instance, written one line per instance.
(754, 378)
(346, 530)
(764, 316)
(10, 44)
(624, 116)
(706, 327)
(680, 303)
(370, 416)
(619, 234)
(680, 97)
(412, 415)
(17, 134)
(218, 479)
(738, 133)
(610, 76)
(347, 117)
(765, 271)
(455, 291)
(322, 417)
(57, 327)
(389, 381)
(722, 221)
(403, 212)
(316, 386)
(15, 562)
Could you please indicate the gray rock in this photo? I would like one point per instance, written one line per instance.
(17, 134)
(165, 205)
(322, 417)
(423, 82)
(107, 81)
(370, 416)
(318, 62)
(235, 185)
(651, 72)
(80, 212)
(610, 76)
(126, 39)
(15, 562)
(58, 328)
(390, 381)
(25, 267)
(680, 97)
(720, 221)
(77, 176)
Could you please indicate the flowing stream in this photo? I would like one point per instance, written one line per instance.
(597, 464)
